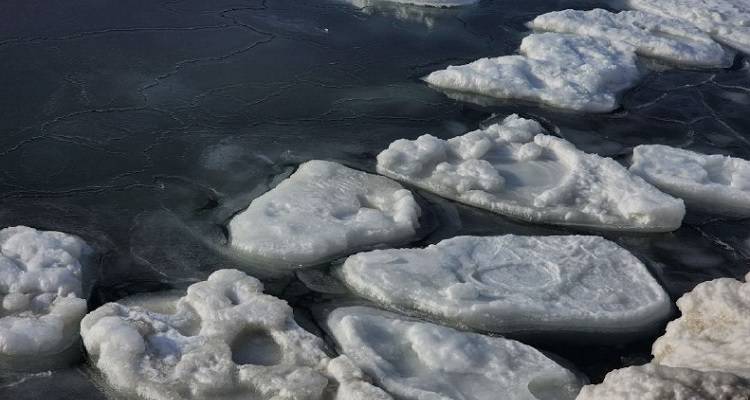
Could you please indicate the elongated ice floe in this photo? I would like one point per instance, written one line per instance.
(41, 302)
(428, 3)
(512, 168)
(516, 283)
(713, 333)
(655, 382)
(223, 340)
(725, 20)
(561, 70)
(322, 211)
(422, 361)
(667, 39)
(717, 183)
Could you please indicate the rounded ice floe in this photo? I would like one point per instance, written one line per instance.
(223, 340)
(561, 70)
(422, 361)
(725, 20)
(515, 283)
(41, 294)
(667, 39)
(717, 183)
(655, 382)
(511, 168)
(322, 211)
(713, 333)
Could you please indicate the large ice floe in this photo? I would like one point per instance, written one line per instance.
(562, 70)
(512, 168)
(421, 361)
(717, 183)
(41, 297)
(655, 382)
(667, 39)
(223, 340)
(725, 20)
(322, 211)
(516, 283)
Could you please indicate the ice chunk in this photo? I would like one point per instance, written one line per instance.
(654, 382)
(713, 333)
(322, 211)
(667, 39)
(511, 168)
(223, 340)
(41, 294)
(421, 361)
(567, 71)
(516, 283)
(428, 3)
(726, 20)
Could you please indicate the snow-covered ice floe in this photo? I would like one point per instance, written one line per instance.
(713, 333)
(655, 382)
(561, 70)
(725, 20)
(223, 340)
(667, 39)
(717, 183)
(41, 297)
(322, 211)
(512, 168)
(421, 361)
(428, 3)
(516, 283)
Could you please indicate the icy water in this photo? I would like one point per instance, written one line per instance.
(142, 126)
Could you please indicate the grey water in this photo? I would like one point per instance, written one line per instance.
(142, 126)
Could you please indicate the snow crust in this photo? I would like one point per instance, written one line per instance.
(422, 361)
(322, 211)
(718, 183)
(223, 340)
(41, 294)
(512, 168)
(561, 70)
(667, 39)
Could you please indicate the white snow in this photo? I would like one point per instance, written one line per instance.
(515, 283)
(654, 382)
(561, 70)
(511, 168)
(223, 340)
(667, 39)
(40, 294)
(322, 211)
(713, 333)
(422, 361)
(725, 20)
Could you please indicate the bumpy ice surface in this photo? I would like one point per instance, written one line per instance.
(40, 293)
(324, 210)
(654, 36)
(566, 71)
(655, 382)
(224, 339)
(716, 182)
(421, 361)
(511, 168)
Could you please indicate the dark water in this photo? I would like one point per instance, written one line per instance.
(143, 125)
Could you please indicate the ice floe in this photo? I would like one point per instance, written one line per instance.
(516, 283)
(223, 340)
(422, 361)
(512, 168)
(717, 183)
(322, 211)
(667, 39)
(41, 296)
(655, 382)
(428, 3)
(725, 20)
(562, 70)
